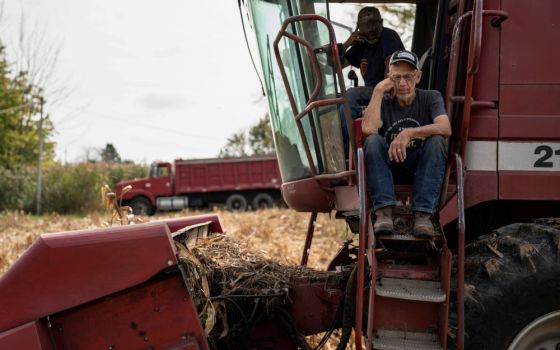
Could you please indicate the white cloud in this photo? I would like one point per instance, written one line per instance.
(159, 80)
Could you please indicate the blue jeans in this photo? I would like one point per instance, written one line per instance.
(358, 98)
(424, 167)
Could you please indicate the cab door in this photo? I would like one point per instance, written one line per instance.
(160, 183)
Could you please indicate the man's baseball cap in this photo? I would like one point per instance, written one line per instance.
(367, 17)
(404, 56)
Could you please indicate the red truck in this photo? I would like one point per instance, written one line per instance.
(237, 182)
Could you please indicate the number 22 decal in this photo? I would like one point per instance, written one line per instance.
(543, 162)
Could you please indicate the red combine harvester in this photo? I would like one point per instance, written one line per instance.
(239, 183)
(489, 280)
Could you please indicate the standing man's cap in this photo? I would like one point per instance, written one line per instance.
(367, 17)
(404, 56)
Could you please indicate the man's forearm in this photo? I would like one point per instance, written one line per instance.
(372, 115)
(430, 130)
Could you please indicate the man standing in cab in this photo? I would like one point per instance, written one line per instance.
(368, 48)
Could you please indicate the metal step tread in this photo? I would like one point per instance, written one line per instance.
(407, 236)
(400, 340)
(410, 290)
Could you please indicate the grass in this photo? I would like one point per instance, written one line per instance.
(278, 233)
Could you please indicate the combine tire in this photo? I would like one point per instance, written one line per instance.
(236, 203)
(512, 284)
(262, 201)
(141, 206)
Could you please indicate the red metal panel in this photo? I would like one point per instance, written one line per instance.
(530, 53)
(530, 185)
(405, 314)
(160, 186)
(66, 269)
(485, 86)
(156, 315)
(314, 306)
(178, 223)
(530, 112)
(215, 175)
(480, 186)
(307, 195)
(30, 336)
(484, 126)
(484, 121)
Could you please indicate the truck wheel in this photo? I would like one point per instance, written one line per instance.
(236, 202)
(262, 201)
(512, 283)
(141, 206)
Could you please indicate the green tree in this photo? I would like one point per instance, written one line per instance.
(236, 146)
(20, 117)
(260, 137)
(257, 142)
(109, 154)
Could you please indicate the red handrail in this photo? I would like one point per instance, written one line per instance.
(474, 53)
(460, 254)
(363, 235)
(312, 102)
(475, 44)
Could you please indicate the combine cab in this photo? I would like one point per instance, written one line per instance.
(489, 280)
(503, 170)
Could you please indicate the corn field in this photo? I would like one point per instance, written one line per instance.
(278, 233)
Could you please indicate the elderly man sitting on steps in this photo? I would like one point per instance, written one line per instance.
(406, 132)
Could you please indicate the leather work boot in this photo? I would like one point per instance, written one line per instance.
(384, 223)
(423, 226)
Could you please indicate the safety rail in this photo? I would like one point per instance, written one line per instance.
(363, 241)
(475, 50)
(473, 65)
(313, 103)
(460, 253)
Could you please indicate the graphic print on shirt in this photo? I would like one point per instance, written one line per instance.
(394, 129)
(363, 67)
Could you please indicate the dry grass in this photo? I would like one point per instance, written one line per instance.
(279, 234)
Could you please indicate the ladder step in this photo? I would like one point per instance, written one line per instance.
(410, 290)
(400, 340)
(401, 236)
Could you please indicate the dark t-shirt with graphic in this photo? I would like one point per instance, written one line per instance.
(427, 105)
(371, 58)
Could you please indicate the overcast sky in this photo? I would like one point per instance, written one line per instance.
(159, 79)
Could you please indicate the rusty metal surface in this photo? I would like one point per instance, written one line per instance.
(71, 268)
(158, 314)
(30, 336)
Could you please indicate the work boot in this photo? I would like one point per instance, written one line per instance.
(384, 222)
(423, 226)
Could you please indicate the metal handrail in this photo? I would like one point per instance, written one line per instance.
(313, 103)
(363, 235)
(460, 254)
(473, 66)
(475, 50)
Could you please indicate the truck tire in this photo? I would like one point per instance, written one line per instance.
(262, 201)
(236, 203)
(512, 283)
(141, 206)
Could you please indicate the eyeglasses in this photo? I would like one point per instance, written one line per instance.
(407, 77)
